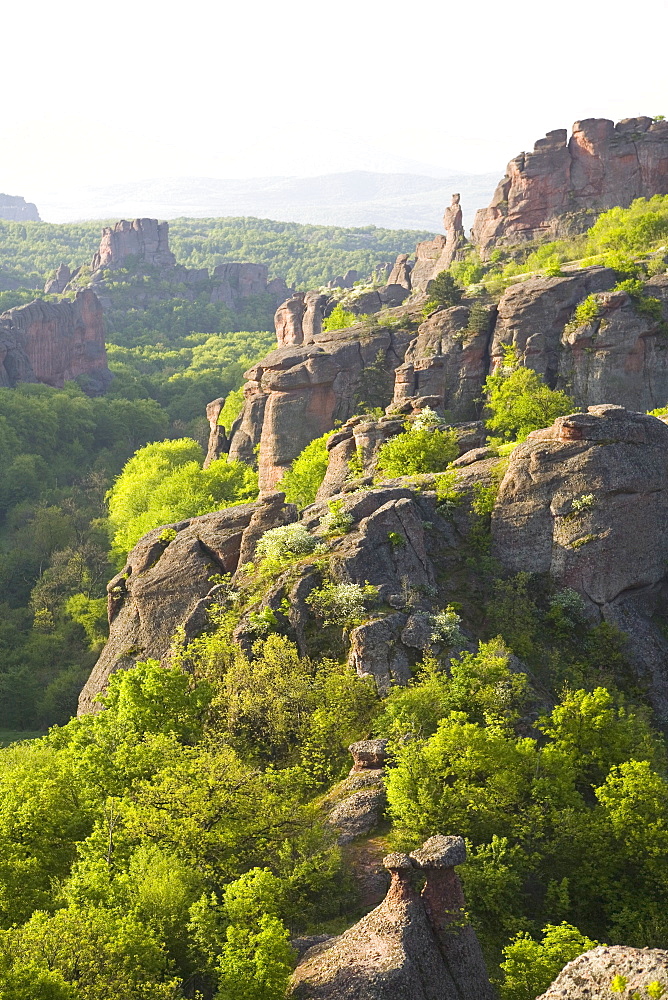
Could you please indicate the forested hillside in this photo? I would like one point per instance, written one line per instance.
(306, 256)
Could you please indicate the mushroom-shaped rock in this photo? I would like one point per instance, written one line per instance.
(396, 951)
(441, 852)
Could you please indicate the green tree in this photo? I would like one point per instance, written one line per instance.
(418, 450)
(530, 966)
(303, 479)
(521, 402)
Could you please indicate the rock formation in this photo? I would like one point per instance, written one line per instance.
(589, 976)
(417, 947)
(297, 392)
(562, 186)
(61, 279)
(434, 256)
(166, 583)
(218, 443)
(54, 343)
(145, 240)
(356, 805)
(17, 209)
(586, 500)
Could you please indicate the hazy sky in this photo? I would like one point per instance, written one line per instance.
(97, 93)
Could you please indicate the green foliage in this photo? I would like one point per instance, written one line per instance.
(521, 402)
(343, 604)
(339, 319)
(165, 482)
(304, 477)
(644, 304)
(285, 542)
(443, 290)
(418, 450)
(232, 407)
(531, 966)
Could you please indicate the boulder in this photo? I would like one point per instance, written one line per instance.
(401, 272)
(589, 976)
(586, 500)
(564, 184)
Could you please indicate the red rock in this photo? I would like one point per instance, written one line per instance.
(59, 341)
(563, 185)
(143, 239)
(434, 256)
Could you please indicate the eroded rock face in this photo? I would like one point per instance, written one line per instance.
(218, 443)
(297, 392)
(589, 976)
(142, 239)
(417, 947)
(54, 343)
(586, 500)
(448, 360)
(562, 186)
(166, 583)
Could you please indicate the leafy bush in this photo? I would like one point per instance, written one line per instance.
(445, 627)
(284, 542)
(343, 604)
(418, 450)
(165, 482)
(339, 319)
(531, 966)
(304, 477)
(521, 402)
(587, 311)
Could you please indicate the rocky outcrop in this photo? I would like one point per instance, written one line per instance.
(234, 282)
(218, 443)
(434, 256)
(61, 279)
(145, 240)
(355, 806)
(54, 343)
(297, 393)
(16, 209)
(166, 583)
(417, 947)
(401, 272)
(589, 976)
(449, 360)
(564, 184)
(586, 501)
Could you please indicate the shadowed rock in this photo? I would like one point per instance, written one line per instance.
(410, 947)
(589, 976)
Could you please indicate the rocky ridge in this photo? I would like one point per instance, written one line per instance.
(565, 183)
(16, 209)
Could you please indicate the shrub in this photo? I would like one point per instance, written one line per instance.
(445, 627)
(587, 311)
(531, 966)
(418, 451)
(336, 521)
(304, 477)
(343, 604)
(521, 402)
(339, 319)
(443, 290)
(279, 544)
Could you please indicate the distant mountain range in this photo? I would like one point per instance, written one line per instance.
(358, 198)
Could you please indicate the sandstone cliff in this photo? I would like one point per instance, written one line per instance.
(561, 187)
(54, 343)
